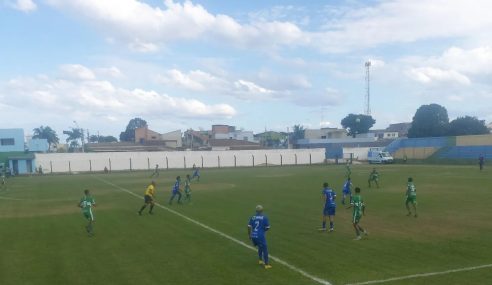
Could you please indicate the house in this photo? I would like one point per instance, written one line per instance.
(171, 140)
(382, 134)
(232, 144)
(13, 152)
(229, 132)
(11, 140)
(325, 133)
(273, 139)
(38, 145)
(400, 128)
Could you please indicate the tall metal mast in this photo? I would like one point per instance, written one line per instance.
(367, 107)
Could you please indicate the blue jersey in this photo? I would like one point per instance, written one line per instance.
(196, 172)
(259, 225)
(330, 196)
(346, 187)
(176, 186)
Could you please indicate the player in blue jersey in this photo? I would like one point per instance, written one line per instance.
(346, 191)
(257, 227)
(176, 191)
(196, 174)
(329, 196)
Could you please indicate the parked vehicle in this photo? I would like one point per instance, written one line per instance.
(378, 155)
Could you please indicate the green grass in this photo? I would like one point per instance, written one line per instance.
(42, 237)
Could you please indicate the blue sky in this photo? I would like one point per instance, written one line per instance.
(253, 64)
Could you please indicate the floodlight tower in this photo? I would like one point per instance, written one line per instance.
(367, 107)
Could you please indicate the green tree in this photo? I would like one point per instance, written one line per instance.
(129, 134)
(429, 121)
(467, 125)
(102, 139)
(298, 132)
(74, 135)
(46, 133)
(357, 124)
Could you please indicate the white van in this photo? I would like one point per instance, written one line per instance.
(377, 155)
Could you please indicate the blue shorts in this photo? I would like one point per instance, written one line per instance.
(329, 211)
(259, 241)
(347, 192)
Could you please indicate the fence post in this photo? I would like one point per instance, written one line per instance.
(148, 163)
(184, 161)
(253, 159)
(130, 164)
(266, 160)
(51, 167)
(90, 165)
(69, 167)
(218, 161)
(309, 159)
(167, 163)
(110, 165)
(295, 155)
(234, 160)
(202, 161)
(281, 162)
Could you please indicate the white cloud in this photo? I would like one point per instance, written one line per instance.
(145, 47)
(329, 97)
(198, 80)
(112, 72)
(99, 98)
(453, 65)
(77, 71)
(145, 27)
(25, 6)
(431, 75)
(248, 87)
(195, 80)
(472, 61)
(402, 21)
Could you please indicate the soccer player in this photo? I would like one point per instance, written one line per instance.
(156, 171)
(374, 177)
(481, 162)
(347, 191)
(148, 198)
(196, 174)
(176, 191)
(257, 227)
(348, 170)
(359, 210)
(187, 188)
(3, 183)
(411, 197)
(329, 196)
(86, 204)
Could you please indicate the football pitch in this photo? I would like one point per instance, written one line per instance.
(43, 240)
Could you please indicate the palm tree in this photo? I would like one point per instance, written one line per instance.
(46, 133)
(73, 136)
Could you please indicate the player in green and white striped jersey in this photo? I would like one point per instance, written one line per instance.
(86, 204)
(358, 211)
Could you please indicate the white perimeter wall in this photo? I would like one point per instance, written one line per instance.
(360, 153)
(76, 162)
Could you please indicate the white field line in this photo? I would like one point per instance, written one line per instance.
(422, 275)
(13, 199)
(276, 259)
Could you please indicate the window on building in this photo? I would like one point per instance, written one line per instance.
(7, 141)
(323, 137)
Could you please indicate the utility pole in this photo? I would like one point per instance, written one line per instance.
(367, 107)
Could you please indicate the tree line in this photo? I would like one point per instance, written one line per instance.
(429, 121)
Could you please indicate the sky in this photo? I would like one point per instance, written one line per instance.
(257, 65)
